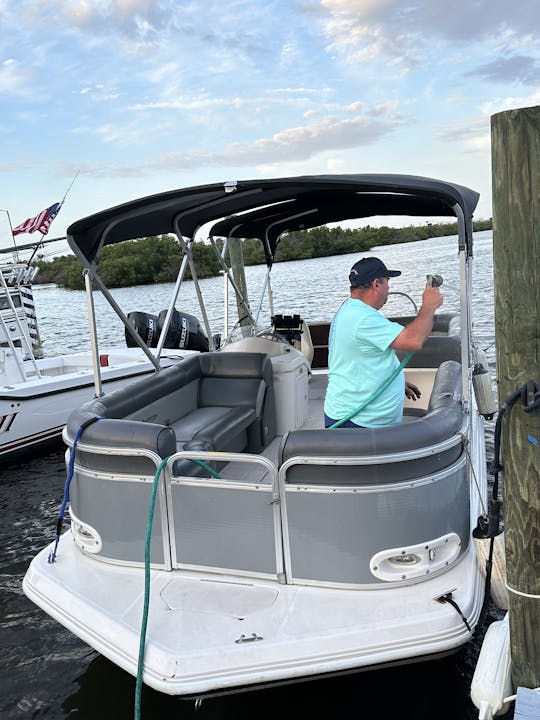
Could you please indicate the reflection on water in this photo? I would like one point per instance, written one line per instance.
(48, 673)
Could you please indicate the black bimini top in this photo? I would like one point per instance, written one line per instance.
(265, 209)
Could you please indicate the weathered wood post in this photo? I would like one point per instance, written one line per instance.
(515, 136)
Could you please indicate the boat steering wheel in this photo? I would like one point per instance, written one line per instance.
(271, 334)
(396, 292)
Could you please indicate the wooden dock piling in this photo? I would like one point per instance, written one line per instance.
(515, 136)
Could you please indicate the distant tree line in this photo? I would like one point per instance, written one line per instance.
(135, 262)
(158, 259)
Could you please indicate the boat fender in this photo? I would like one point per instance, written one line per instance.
(492, 681)
(495, 556)
(483, 388)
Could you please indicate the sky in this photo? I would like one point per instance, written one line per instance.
(135, 97)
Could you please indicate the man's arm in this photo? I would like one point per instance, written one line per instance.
(414, 335)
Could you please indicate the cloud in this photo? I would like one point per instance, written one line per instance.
(362, 30)
(517, 68)
(472, 135)
(272, 99)
(464, 20)
(14, 78)
(511, 102)
(99, 93)
(291, 144)
(129, 134)
(289, 55)
(139, 17)
(457, 132)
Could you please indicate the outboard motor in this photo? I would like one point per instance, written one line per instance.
(185, 332)
(147, 327)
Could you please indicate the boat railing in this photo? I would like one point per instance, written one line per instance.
(354, 535)
(109, 503)
(11, 276)
(217, 525)
(247, 522)
(258, 524)
(226, 524)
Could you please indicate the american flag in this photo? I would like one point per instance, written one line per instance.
(40, 222)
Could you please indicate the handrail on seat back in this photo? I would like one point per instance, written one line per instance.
(436, 350)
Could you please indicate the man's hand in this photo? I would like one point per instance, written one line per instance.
(411, 391)
(432, 298)
(414, 335)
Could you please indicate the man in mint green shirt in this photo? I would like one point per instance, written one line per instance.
(362, 348)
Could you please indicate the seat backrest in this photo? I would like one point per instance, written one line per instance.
(133, 397)
(447, 386)
(234, 379)
(435, 351)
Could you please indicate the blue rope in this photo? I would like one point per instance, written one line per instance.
(67, 486)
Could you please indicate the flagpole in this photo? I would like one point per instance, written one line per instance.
(42, 220)
(69, 187)
(12, 235)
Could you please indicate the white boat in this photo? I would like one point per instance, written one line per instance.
(37, 394)
(279, 550)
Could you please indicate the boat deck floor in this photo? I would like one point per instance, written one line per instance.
(207, 632)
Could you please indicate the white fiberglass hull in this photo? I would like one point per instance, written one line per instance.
(208, 632)
(35, 410)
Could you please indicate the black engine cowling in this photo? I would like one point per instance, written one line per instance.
(147, 327)
(185, 332)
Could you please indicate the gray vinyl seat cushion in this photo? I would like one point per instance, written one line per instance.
(217, 426)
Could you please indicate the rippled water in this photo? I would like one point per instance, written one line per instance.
(45, 672)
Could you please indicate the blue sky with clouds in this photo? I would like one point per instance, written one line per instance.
(143, 96)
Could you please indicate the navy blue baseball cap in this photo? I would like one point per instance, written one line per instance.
(368, 269)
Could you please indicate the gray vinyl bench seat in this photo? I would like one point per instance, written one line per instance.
(209, 402)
